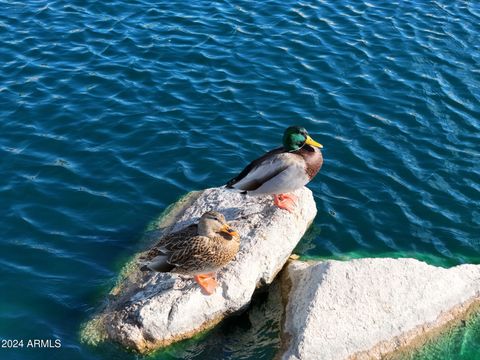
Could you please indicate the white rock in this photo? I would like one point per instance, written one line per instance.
(148, 310)
(364, 309)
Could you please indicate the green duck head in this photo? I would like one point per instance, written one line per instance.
(295, 137)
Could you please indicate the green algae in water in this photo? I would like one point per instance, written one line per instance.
(460, 342)
(307, 251)
(427, 258)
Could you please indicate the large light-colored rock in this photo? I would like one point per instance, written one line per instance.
(147, 310)
(364, 309)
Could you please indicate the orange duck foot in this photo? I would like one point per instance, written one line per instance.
(208, 282)
(285, 201)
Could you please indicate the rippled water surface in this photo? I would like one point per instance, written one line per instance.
(112, 110)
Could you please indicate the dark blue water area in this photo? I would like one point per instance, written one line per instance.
(110, 111)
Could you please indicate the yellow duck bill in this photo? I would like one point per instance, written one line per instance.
(228, 230)
(312, 142)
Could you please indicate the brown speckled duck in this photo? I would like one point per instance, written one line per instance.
(199, 250)
(282, 170)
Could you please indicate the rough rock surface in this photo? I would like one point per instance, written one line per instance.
(364, 309)
(147, 310)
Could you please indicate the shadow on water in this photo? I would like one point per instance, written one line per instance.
(252, 334)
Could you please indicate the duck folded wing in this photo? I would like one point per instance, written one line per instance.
(187, 249)
(261, 170)
(171, 241)
(293, 177)
(177, 239)
(198, 250)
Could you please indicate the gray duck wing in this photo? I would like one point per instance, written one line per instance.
(260, 171)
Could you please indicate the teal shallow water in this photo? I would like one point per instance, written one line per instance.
(112, 110)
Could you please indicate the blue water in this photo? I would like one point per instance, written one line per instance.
(112, 110)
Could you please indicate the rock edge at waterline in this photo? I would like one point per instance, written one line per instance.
(368, 308)
(148, 310)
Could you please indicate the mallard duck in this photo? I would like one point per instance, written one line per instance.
(282, 170)
(199, 250)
